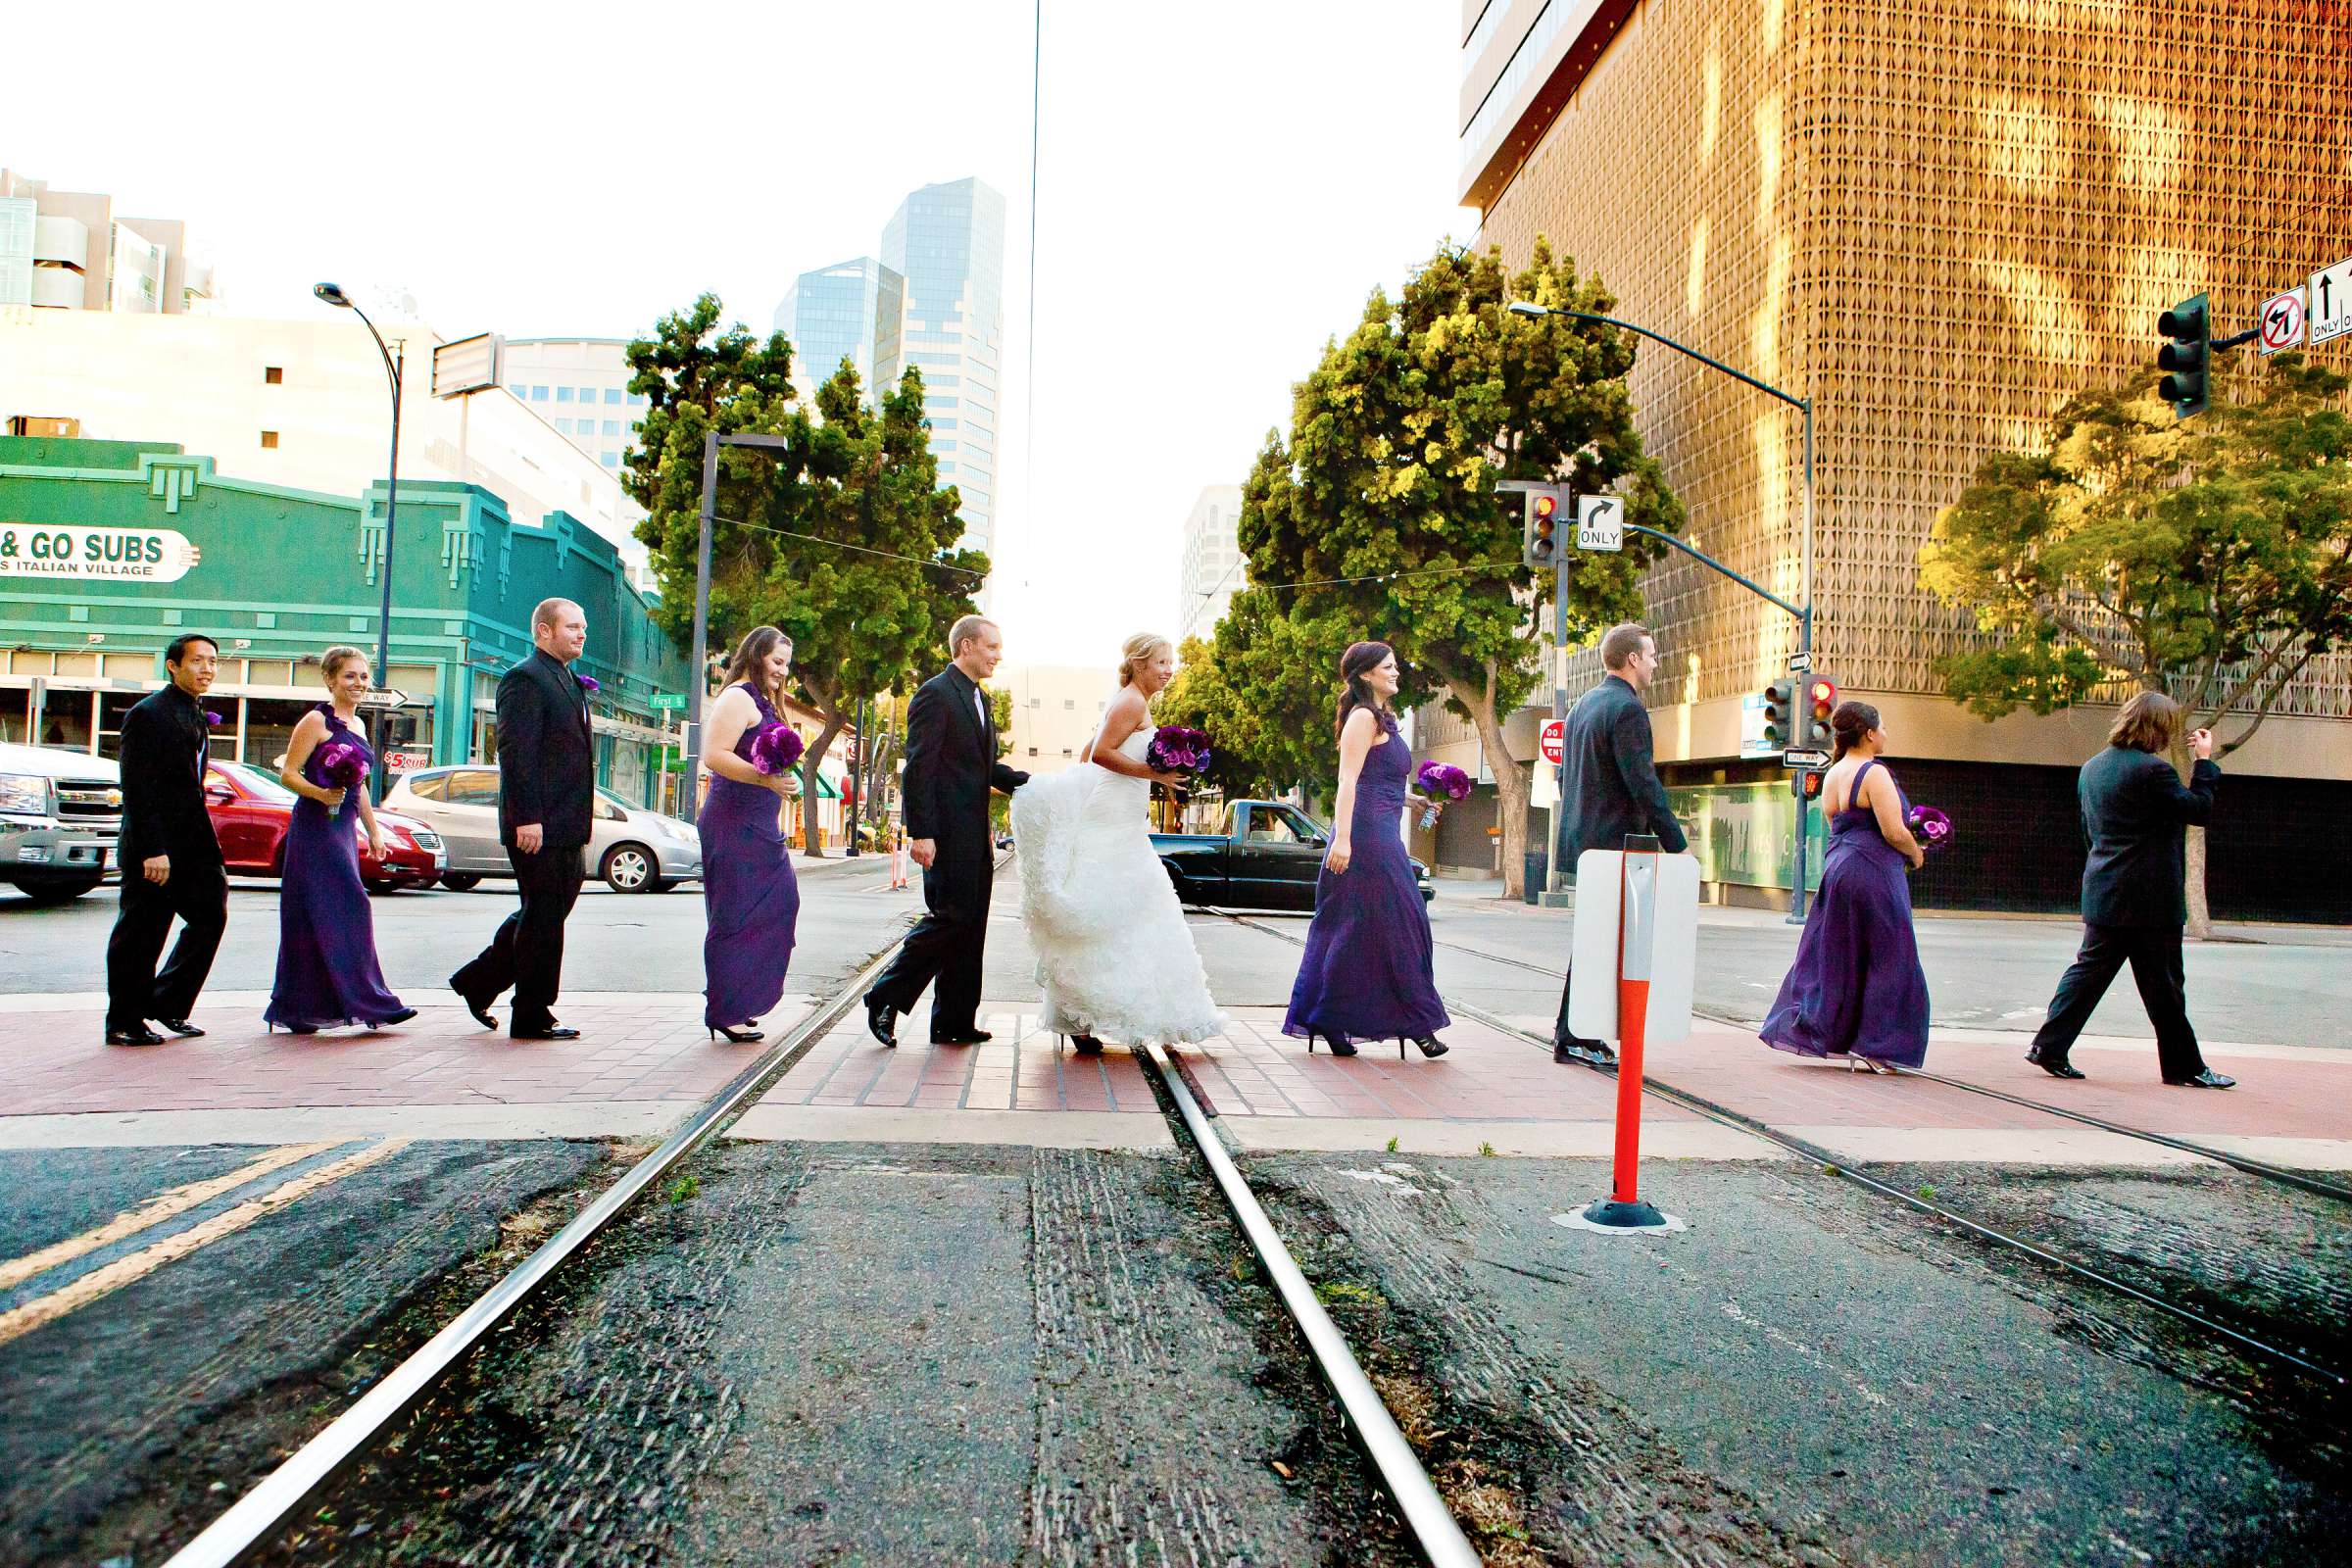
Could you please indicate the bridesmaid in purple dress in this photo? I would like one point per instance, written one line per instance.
(753, 901)
(1367, 971)
(327, 973)
(1856, 988)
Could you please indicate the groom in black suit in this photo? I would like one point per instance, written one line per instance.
(951, 768)
(546, 795)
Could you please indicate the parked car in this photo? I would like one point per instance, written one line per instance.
(61, 812)
(1265, 855)
(633, 849)
(251, 812)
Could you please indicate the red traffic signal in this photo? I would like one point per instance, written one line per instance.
(1812, 784)
(1824, 697)
(1539, 542)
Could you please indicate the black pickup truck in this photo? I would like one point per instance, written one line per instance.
(1265, 855)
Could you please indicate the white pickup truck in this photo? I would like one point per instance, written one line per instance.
(61, 812)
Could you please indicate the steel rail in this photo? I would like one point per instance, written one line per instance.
(257, 1518)
(2222, 1156)
(1434, 1527)
(1836, 1164)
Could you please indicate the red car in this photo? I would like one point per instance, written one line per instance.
(251, 811)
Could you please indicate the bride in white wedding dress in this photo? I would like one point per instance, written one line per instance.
(1114, 953)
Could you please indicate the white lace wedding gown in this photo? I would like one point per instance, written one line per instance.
(1114, 953)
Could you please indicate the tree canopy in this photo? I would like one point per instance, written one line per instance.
(842, 537)
(1379, 519)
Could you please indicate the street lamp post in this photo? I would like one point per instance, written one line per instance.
(1803, 612)
(394, 364)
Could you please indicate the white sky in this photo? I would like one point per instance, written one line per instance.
(1221, 184)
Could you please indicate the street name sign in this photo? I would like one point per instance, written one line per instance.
(668, 702)
(1804, 760)
(384, 697)
(2331, 302)
(1600, 522)
(2282, 320)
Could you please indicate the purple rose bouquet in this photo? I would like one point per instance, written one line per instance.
(1931, 828)
(776, 748)
(1441, 778)
(342, 766)
(1175, 749)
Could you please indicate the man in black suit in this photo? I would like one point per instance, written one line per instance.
(951, 768)
(1613, 786)
(169, 859)
(2135, 816)
(546, 798)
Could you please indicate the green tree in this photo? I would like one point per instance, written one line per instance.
(1379, 519)
(842, 537)
(2211, 559)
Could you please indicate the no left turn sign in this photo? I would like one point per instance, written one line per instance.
(2282, 320)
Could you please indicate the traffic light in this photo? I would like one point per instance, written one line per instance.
(1813, 778)
(1821, 700)
(2188, 330)
(1539, 539)
(1779, 702)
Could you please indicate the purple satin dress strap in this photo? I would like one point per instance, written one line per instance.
(327, 971)
(749, 893)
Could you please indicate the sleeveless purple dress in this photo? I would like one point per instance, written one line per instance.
(1856, 987)
(327, 973)
(749, 892)
(1367, 973)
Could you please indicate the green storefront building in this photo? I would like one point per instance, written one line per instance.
(110, 549)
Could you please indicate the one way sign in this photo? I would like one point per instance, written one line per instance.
(2331, 296)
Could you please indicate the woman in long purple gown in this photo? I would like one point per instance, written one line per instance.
(749, 892)
(1856, 988)
(1367, 972)
(327, 973)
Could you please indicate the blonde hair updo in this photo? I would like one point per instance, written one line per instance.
(1137, 650)
(334, 659)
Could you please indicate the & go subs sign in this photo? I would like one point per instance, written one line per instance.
(134, 555)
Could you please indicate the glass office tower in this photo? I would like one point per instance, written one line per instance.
(848, 310)
(947, 242)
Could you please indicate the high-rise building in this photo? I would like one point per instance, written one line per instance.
(850, 311)
(69, 250)
(580, 385)
(1212, 561)
(948, 243)
(1935, 222)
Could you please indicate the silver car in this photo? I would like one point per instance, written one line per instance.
(633, 849)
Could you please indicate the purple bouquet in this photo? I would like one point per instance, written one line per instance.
(342, 766)
(1931, 828)
(1175, 749)
(776, 748)
(1441, 778)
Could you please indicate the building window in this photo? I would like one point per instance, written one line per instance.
(611, 460)
(563, 427)
(637, 399)
(270, 440)
(587, 394)
(1037, 701)
(273, 374)
(612, 428)
(612, 395)
(1070, 703)
(562, 394)
(538, 394)
(1031, 749)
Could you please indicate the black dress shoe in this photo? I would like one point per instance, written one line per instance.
(2056, 1065)
(2207, 1079)
(975, 1038)
(1591, 1053)
(402, 1016)
(553, 1031)
(183, 1028)
(882, 1021)
(479, 1008)
(136, 1035)
(1087, 1044)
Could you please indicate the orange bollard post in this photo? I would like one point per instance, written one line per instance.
(1637, 942)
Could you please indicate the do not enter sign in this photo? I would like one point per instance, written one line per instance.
(1556, 739)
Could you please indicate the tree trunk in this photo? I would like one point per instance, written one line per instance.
(2200, 914)
(1510, 785)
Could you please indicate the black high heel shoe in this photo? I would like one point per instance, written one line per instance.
(1087, 1044)
(1430, 1045)
(740, 1037)
(1337, 1044)
(402, 1016)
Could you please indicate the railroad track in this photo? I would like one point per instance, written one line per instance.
(288, 1495)
(1844, 1169)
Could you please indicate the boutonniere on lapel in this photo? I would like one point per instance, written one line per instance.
(211, 718)
(588, 684)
